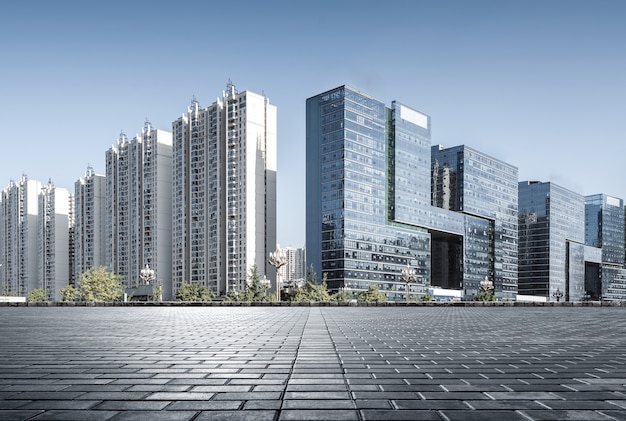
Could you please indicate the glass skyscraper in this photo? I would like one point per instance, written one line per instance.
(369, 204)
(485, 190)
(551, 241)
(604, 228)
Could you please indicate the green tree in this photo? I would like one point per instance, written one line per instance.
(157, 293)
(312, 291)
(342, 296)
(194, 293)
(254, 292)
(69, 293)
(37, 296)
(98, 285)
(484, 296)
(372, 295)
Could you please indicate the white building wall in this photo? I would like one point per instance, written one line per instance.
(18, 235)
(53, 240)
(217, 239)
(139, 207)
(89, 228)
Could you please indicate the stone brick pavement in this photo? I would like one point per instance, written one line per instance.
(312, 363)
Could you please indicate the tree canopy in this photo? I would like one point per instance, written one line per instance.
(69, 293)
(194, 293)
(254, 290)
(98, 285)
(372, 295)
(37, 295)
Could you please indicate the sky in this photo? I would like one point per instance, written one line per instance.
(540, 85)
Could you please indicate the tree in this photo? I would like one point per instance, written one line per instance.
(157, 293)
(37, 296)
(312, 291)
(342, 296)
(372, 295)
(194, 293)
(97, 285)
(69, 293)
(254, 292)
(484, 296)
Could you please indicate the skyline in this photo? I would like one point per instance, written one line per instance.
(539, 86)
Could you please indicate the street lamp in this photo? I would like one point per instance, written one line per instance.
(147, 274)
(558, 295)
(277, 260)
(408, 275)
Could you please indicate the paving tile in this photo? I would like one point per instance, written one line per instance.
(321, 415)
(80, 415)
(572, 415)
(130, 415)
(408, 415)
(495, 415)
(17, 415)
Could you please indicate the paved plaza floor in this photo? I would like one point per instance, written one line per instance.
(313, 363)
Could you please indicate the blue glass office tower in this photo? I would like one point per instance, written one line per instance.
(348, 236)
(485, 190)
(551, 241)
(604, 228)
(369, 202)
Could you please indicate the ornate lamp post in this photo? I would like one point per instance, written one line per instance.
(558, 295)
(486, 285)
(408, 275)
(147, 275)
(277, 260)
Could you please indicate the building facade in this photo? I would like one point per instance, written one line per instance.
(139, 207)
(88, 233)
(604, 229)
(224, 191)
(54, 220)
(551, 242)
(295, 268)
(485, 190)
(373, 208)
(18, 237)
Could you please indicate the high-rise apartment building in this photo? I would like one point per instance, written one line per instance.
(53, 240)
(295, 268)
(89, 242)
(139, 207)
(604, 228)
(224, 191)
(485, 188)
(18, 237)
(551, 242)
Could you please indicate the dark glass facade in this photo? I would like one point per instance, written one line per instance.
(485, 190)
(551, 241)
(604, 228)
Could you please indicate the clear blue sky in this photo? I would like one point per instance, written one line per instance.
(538, 84)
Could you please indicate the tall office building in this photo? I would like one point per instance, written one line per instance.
(89, 242)
(471, 182)
(370, 206)
(139, 207)
(551, 242)
(18, 237)
(604, 228)
(224, 197)
(53, 240)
